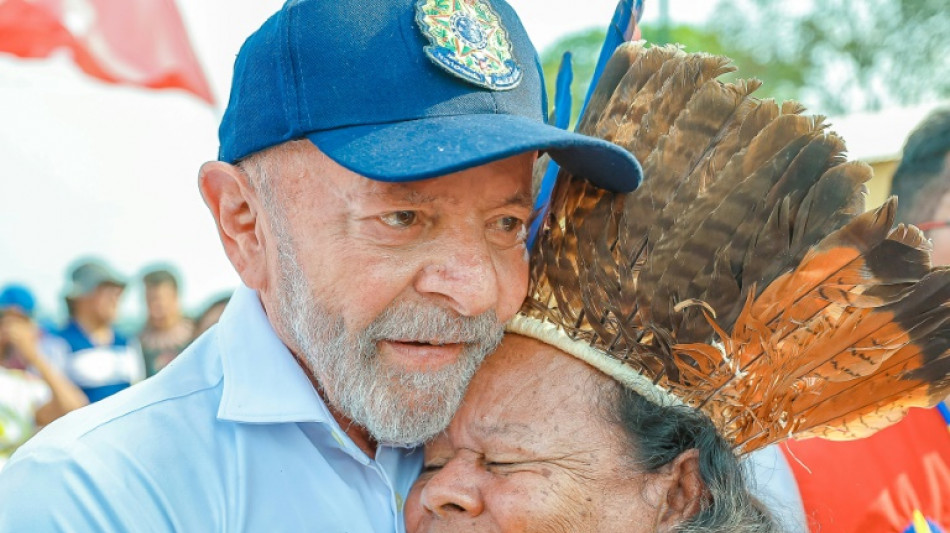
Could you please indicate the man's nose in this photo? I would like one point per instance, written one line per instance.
(462, 271)
(452, 491)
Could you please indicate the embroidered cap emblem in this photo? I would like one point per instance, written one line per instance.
(469, 42)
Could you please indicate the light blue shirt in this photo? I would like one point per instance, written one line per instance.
(231, 436)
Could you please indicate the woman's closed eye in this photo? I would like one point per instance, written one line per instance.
(433, 467)
(505, 466)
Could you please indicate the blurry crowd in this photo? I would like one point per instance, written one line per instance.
(47, 370)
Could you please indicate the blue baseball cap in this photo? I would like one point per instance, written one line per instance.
(403, 90)
(15, 296)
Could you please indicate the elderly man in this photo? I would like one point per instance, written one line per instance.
(371, 291)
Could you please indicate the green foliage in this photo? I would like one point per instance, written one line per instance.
(835, 56)
(585, 48)
(854, 54)
(784, 78)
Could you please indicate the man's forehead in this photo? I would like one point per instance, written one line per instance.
(396, 191)
(428, 192)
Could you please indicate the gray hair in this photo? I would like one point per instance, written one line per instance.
(260, 166)
(658, 435)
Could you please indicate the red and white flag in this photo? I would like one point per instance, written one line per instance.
(138, 42)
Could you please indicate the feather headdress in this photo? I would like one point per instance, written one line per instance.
(744, 278)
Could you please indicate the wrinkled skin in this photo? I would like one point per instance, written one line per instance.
(532, 449)
(455, 242)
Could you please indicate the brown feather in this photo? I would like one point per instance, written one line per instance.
(669, 102)
(678, 258)
(837, 198)
(629, 109)
(743, 277)
(614, 71)
(641, 72)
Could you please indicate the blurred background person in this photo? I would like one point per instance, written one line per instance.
(897, 480)
(16, 298)
(101, 360)
(167, 330)
(35, 397)
(211, 314)
(922, 182)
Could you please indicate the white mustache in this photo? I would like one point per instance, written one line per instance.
(432, 325)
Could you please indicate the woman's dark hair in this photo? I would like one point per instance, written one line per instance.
(658, 435)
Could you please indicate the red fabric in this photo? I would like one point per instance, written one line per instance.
(139, 42)
(29, 30)
(873, 485)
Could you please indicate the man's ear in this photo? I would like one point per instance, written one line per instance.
(685, 490)
(234, 206)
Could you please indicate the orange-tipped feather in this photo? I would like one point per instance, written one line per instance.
(744, 277)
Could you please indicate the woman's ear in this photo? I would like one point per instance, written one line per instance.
(233, 203)
(684, 490)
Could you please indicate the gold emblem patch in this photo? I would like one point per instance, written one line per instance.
(469, 42)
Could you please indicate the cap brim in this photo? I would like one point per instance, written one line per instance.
(425, 148)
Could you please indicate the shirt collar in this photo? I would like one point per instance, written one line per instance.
(263, 383)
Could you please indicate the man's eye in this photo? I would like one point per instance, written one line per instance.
(399, 219)
(509, 224)
(506, 232)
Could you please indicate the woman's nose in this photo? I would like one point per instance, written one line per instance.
(453, 490)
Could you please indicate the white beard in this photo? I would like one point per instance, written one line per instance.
(396, 406)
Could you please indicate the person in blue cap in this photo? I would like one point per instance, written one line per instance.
(371, 190)
(18, 308)
(102, 361)
(33, 389)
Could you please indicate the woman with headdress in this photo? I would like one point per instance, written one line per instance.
(740, 297)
